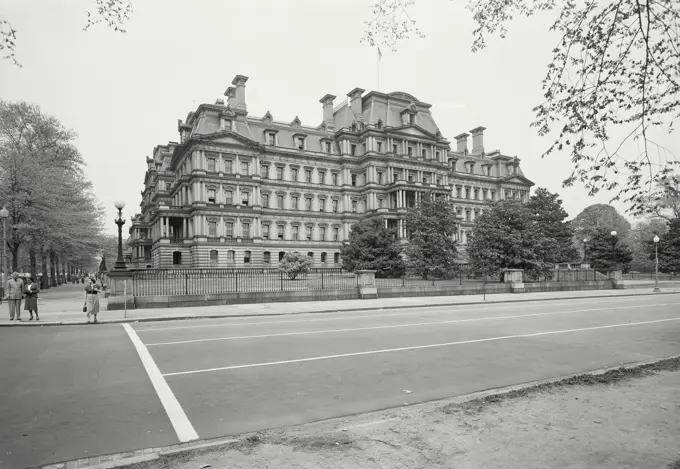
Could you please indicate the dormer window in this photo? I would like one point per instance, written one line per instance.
(227, 124)
(488, 170)
(353, 150)
(412, 119)
(409, 150)
(327, 147)
(424, 153)
(300, 143)
(379, 147)
(271, 138)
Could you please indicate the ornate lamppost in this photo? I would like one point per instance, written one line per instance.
(656, 256)
(614, 263)
(120, 262)
(585, 250)
(4, 214)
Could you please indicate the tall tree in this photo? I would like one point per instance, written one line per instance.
(608, 252)
(431, 226)
(506, 237)
(555, 233)
(639, 241)
(51, 204)
(371, 246)
(669, 248)
(599, 216)
(616, 67)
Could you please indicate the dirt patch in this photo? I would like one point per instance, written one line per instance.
(587, 379)
(620, 423)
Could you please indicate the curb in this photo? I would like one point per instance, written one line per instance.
(327, 311)
(149, 454)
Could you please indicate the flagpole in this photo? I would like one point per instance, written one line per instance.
(379, 56)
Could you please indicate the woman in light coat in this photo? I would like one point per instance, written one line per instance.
(92, 288)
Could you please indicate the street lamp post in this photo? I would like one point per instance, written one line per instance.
(613, 266)
(585, 250)
(4, 214)
(656, 256)
(120, 262)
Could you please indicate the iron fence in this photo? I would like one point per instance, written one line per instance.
(162, 282)
(560, 275)
(649, 276)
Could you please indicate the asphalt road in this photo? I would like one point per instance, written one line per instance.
(79, 391)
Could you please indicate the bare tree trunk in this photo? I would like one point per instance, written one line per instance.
(63, 272)
(34, 269)
(53, 270)
(43, 262)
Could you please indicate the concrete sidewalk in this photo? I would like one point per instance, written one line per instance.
(63, 305)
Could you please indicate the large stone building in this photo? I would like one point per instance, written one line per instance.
(241, 191)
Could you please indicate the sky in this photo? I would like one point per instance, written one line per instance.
(123, 93)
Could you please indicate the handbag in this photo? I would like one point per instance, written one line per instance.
(85, 303)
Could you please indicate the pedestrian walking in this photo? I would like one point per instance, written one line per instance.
(15, 292)
(31, 303)
(92, 288)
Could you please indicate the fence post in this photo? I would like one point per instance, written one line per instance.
(236, 282)
(322, 280)
(186, 284)
(403, 280)
(281, 274)
(433, 282)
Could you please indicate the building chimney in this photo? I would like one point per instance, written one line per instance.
(239, 82)
(355, 103)
(461, 142)
(327, 102)
(231, 96)
(478, 140)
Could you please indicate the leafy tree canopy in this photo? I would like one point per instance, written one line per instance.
(669, 248)
(554, 232)
(431, 250)
(294, 264)
(639, 241)
(505, 237)
(608, 252)
(371, 246)
(615, 68)
(600, 216)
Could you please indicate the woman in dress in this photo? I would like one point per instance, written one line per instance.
(92, 288)
(31, 303)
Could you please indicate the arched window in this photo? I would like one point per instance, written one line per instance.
(336, 258)
(323, 257)
(311, 256)
(281, 255)
(213, 258)
(267, 257)
(246, 257)
(176, 258)
(231, 258)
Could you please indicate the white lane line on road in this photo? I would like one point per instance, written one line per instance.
(183, 428)
(416, 347)
(423, 309)
(395, 326)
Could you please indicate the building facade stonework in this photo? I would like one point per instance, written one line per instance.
(241, 191)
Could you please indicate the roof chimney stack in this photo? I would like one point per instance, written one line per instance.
(327, 102)
(239, 82)
(355, 103)
(461, 143)
(478, 140)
